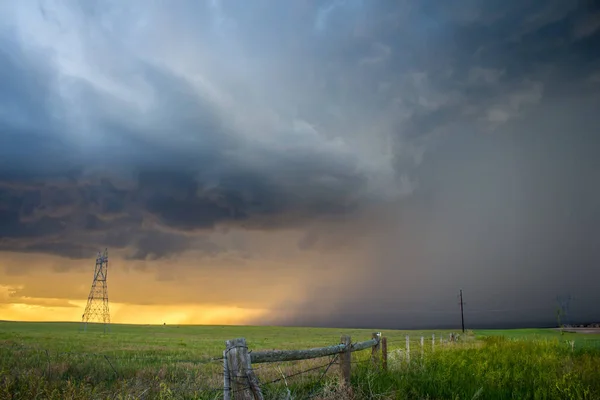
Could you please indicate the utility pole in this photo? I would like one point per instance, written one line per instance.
(564, 304)
(462, 314)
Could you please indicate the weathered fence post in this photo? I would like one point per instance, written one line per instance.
(384, 353)
(245, 384)
(422, 346)
(346, 359)
(407, 349)
(375, 350)
(433, 342)
(226, 379)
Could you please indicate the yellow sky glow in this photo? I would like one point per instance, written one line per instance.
(137, 314)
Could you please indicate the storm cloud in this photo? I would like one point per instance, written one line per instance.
(437, 145)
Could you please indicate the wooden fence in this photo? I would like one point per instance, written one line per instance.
(241, 383)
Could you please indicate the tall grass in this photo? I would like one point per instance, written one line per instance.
(488, 368)
(494, 368)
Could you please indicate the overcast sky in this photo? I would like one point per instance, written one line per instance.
(335, 163)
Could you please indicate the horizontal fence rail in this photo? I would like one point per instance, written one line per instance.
(296, 355)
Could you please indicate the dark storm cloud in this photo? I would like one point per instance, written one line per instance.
(510, 218)
(155, 245)
(75, 220)
(470, 125)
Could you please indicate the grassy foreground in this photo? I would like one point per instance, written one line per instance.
(58, 361)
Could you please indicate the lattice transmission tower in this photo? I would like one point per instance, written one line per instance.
(97, 304)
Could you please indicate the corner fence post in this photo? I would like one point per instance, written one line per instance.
(346, 360)
(384, 353)
(226, 378)
(376, 349)
(243, 381)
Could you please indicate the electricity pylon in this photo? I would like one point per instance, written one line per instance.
(97, 304)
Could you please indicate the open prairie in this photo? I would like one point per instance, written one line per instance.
(59, 361)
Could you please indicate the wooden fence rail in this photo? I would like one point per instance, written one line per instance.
(240, 382)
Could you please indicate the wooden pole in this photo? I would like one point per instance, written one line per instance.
(462, 314)
(253, 380)
(433, 342)
(226, 379)
(346, 360)
(244, 384)
(407, 349)
(384, 353)
(422, 346)
(376, 349)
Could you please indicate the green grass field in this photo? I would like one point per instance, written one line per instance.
(59, 361)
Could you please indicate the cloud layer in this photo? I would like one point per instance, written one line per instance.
(451, 144)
